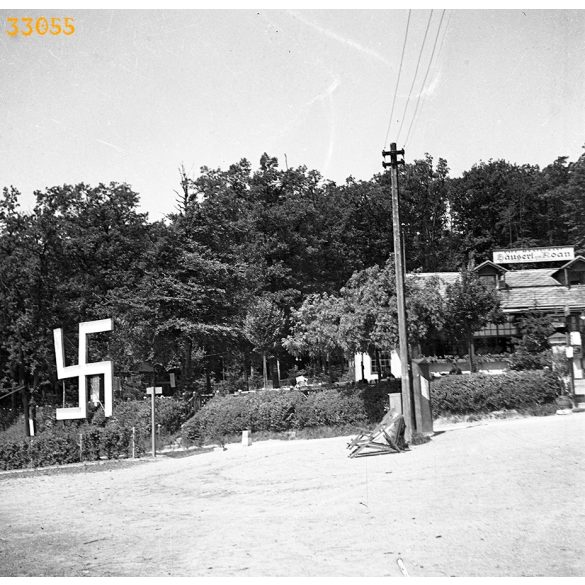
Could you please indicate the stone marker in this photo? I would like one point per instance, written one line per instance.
(246, 439)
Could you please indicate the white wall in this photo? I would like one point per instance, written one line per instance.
(368, 375)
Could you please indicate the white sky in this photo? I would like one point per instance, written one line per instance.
(134, 94)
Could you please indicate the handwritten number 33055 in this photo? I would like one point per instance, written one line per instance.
(40, 26)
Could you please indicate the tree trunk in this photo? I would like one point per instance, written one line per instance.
(378, 364)
(207, 380)
(363, 369)
(25, 408)
(264, 370)
(471, 353)
(25, 393)
(277, 373)
(187, 378)
(246, 378)
(328, 365)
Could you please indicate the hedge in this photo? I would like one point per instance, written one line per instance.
(359, 405)
(68, 445)
(226, 415)
(286, 410)
(483, 393)
(169, 414)
(58, 442)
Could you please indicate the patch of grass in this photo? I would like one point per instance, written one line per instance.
(320, 432)
(94, 467)
(547, 409)
(419, 439)
(15, 432)
(541, 409)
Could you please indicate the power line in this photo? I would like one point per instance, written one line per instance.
(425, 79)
(415, 74)
(397, 80)
(444, 35)
(445, 29)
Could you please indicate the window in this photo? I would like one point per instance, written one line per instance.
(489, 280)
(576, 277)
(385, 359)
(504, 330)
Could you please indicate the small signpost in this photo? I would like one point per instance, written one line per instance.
(152, 390)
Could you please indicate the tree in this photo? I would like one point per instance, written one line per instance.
(186, 306)
(532, 349)
(469, 306)
(535, 328)
(575, 204)
(423, 211)
(315, 326)
(57, 264)
(264, 327)
(494, 205)
(364, 316)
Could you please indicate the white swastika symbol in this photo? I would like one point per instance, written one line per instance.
(84, 369)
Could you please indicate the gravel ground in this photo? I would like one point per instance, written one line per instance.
(492, 498)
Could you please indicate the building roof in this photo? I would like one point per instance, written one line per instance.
(489, 263)
(534, 288)
(577, 260)
(531, 277)
(543, 297)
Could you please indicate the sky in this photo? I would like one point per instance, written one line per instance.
(133, 95)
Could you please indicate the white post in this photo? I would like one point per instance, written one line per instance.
(246, 439)
(153, 427)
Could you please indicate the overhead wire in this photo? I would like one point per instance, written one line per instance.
(414, 76)
(444, 35)
(397, 79)
(425, 78)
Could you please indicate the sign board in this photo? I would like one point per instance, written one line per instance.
(157, 390)
(580, 387)
(575, 338)
(523, 255)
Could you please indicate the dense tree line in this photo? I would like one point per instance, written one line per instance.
(214, 289)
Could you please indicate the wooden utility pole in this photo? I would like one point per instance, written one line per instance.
(407, 403)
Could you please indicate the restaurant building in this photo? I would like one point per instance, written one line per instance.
(557, 291)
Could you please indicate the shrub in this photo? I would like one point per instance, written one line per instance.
(45, 418)
(169, 414)
(278, 411)
(61, 446)
(229, 415)
(481, 393)
(525, 360)
(375, 398)
(116, 441)
(274, 411)
(91, 442)
(58, 442)
(46, 449)
(331, 408)
(53, 448)
(7, 417)
(14, 454)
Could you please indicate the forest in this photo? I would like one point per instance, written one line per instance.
(218, 291)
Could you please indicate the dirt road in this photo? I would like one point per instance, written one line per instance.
(504, 498)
